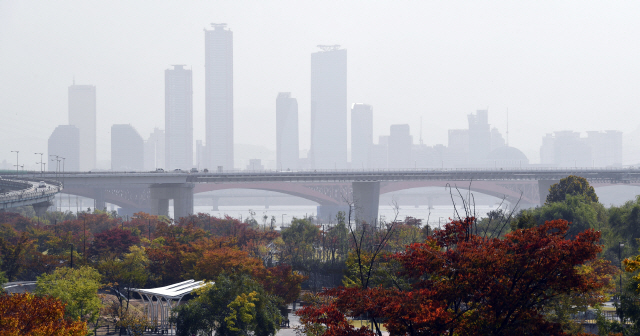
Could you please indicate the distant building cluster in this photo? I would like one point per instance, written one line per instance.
(72, 147)
(569, 149)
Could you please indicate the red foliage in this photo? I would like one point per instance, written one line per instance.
(468, 285)
(29, 315)
(115, 241)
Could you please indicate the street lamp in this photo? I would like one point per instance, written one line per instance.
(17, 163)
(41, 170)
(620, 246)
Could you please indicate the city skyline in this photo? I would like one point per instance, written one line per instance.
(525, 68)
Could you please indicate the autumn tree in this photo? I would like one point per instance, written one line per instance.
(77, 288)
(459, 283)
(571, 185)
(29, 315)
(229, 306)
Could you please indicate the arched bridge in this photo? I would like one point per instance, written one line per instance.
(151, 191)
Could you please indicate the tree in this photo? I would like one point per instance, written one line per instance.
(28, 315)
(115, 241)
(230, 306)
(460, 283)
(77, 288)
(571, 185)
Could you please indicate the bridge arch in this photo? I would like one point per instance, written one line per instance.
(289, 188)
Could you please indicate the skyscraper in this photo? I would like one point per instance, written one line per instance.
(400, 143)
(329, 108)
(287, 144)
(361, 135)
(178, 118)
(82, 114)
(127, 148)
(154, 150)
(479, 137)
(219, 96)
(65, 143)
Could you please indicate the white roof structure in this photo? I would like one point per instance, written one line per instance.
(159, 310)
(175, 291)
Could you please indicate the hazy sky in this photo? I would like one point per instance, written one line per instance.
(554, 64)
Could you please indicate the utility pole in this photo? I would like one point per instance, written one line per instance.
(17, 162)
(41, 170)
(71, 252)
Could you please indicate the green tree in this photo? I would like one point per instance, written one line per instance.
(571, 185)
(77, 288)
(229, 306)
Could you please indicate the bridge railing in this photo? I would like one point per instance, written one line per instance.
(28, 191)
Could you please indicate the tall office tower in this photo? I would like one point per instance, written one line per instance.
(606, 148)
(479, 138)
(379, 153)
(547, 154)
(178, 118)
(218, 78)
(65, 143)
(457, 153)
(154, 150)
(361, 135)
(199, 154)
(127, 148)
(400, 142)
(329, 108)
(82, 114)
(287, 144)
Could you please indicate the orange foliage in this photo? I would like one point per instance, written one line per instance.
(29, 315)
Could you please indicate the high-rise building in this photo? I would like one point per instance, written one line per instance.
(400, 143)
(178, 118)
(361, 135)
(287, 144)
(218, 77)
(200, 154)
(127, 148)
(329, 108)
(154, 149)
(479, 138)
(82, 114)
(65, 143)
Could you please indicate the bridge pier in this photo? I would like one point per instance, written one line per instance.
(328, 213)
(180, 193)
(366, 197)
(100, 203)
(41, 208)
(543, 189)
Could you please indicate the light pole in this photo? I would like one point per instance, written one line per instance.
(620, 246)
(17, 162)
(41, 170)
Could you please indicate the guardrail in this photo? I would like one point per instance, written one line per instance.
(29, 190)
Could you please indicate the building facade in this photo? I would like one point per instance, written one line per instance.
(65, 143)
(154, 149)
(361, 136)
(82, 114)
(287, 144)
(400, 143)
(219, 97)
(329, 108)
(178, 118)
(127, 148)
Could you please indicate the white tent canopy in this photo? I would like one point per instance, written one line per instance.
(165, 299)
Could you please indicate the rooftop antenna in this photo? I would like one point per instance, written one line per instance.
(507, 127)
(421, 130)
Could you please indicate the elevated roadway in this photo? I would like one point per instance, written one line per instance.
(17, 193)
(151, 191)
